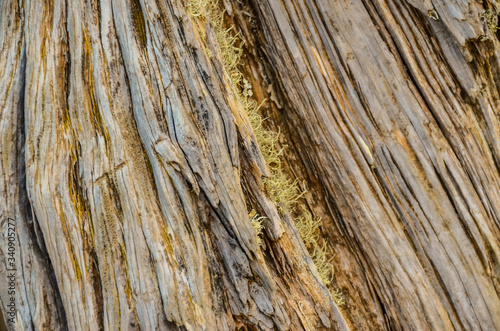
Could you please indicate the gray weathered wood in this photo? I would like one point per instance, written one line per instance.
(416, 233)
(130, 168)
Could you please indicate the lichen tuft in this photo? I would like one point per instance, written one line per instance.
(283, 191)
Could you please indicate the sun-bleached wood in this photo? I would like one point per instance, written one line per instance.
(130, 168)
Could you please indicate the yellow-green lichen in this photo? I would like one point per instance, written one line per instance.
(257, 225)
(490, 18)
(284, 192)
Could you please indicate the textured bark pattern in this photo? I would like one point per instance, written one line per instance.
(132, 156)
(130, 167)
(402, 114)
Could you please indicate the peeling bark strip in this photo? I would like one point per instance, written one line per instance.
(130, 167)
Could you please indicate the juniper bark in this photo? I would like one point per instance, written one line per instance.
(130, 165)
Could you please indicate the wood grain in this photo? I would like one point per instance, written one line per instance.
(130, 167)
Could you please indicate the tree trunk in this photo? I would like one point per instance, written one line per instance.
(144, 142)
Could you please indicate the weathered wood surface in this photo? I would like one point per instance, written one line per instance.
(401, 112)
(132, 170)
(130, 167)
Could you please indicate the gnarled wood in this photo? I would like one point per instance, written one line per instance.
(130, 166)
